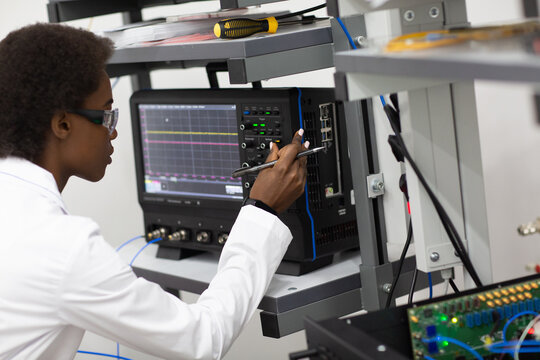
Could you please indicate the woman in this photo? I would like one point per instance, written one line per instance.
(58, 276)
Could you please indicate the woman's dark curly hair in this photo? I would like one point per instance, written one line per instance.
(44, 68)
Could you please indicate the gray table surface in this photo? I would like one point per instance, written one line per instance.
(285, 292)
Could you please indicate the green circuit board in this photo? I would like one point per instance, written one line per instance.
(477, 320)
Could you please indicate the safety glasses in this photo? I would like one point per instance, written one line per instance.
(107, 118)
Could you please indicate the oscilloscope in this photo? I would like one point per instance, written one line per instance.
(188, 143)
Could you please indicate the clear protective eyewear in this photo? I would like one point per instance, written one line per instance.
(107, 118)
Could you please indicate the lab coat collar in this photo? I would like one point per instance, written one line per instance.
(33, 175)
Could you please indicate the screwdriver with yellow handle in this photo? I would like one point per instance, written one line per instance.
(244, 27)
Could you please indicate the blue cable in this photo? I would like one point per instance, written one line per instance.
(514, 318)
(118, 249)
(455, 342)
(353, 45)
(509, 347)
(428, 357)
(144, 247)
(117, 356)
(100, 354)
(351, 41)
(430, 281)
(306, 187)
(127, 242)
(115, 82)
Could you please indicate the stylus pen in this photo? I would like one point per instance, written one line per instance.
(248, 170)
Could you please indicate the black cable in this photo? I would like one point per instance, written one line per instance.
(400, 266)
(310, 19)
(396, 141)
(397, 144)
(303, 354)
(453, 286)
(394, 100)
(413, 285)
(447, 223)
(451, 231)
(301, 12)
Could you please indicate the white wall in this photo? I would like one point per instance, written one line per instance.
(509, 143)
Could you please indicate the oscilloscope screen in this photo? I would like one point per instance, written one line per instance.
(190, 150)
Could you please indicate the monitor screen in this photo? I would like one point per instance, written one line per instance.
(190, 150)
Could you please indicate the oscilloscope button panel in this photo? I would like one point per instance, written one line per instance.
(260, 125)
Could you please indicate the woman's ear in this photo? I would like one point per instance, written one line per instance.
(61, 124)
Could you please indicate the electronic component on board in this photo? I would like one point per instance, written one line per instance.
(492, 325)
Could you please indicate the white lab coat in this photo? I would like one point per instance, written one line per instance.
(58, 278)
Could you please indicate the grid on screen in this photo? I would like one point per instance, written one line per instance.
(190, 149)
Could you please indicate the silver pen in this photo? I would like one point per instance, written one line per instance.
(248, 170)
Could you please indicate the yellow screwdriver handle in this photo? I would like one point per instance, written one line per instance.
(243, 27)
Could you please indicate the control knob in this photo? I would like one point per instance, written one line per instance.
(248, 163)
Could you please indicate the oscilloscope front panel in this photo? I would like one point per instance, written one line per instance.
(188, 142)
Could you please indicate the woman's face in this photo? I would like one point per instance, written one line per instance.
(92, 142)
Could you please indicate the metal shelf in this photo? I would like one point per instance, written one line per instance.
(295, 49)
(66, 10)
(234, 4)
(332, 291)
(369, 72)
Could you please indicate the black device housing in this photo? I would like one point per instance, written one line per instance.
(329, 184)
(383, 334)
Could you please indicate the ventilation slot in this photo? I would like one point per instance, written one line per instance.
(313, 179)
(335, 233)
